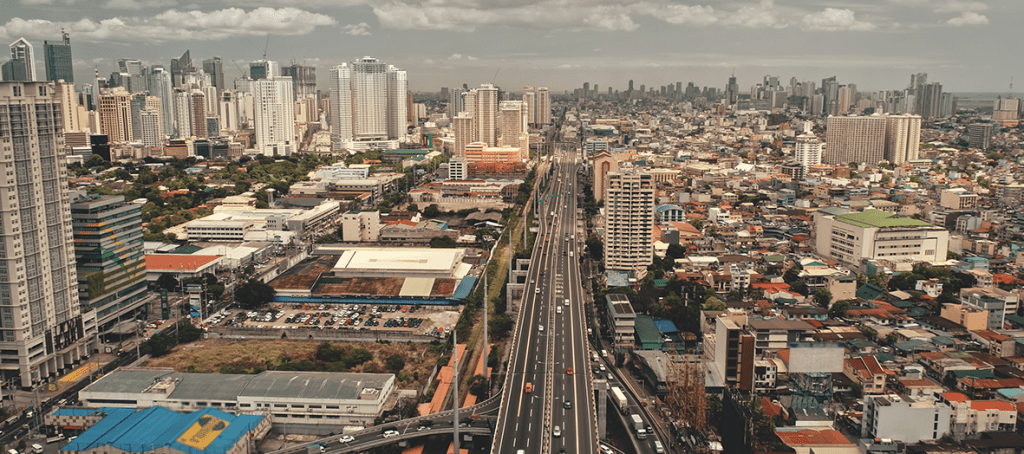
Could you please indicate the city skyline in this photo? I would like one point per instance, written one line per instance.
(556, 44)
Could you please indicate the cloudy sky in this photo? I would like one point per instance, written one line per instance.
(969, 46)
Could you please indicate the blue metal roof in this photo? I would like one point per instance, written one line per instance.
(157, 427)
(665, 326)
(465, 288)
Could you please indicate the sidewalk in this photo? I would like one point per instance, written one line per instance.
(88, 368)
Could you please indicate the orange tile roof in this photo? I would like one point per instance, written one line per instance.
(783, 355)
(175, 262)
(813, 437)
(769, 408)
(955, 397)
(985, 405)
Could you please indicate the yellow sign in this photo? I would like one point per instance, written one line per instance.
(203, 432)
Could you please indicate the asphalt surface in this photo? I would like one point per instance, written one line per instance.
(549, 343)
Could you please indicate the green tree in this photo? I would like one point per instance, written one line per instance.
(167, 282)
(839, 309)
(395, 363)
(595, 247)
(254, 294)
(499, 325)
(697, 224)
(443, 242)
(478, 386)
(714, 304)
(822, 297)
(431, 211)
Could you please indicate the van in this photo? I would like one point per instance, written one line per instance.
(37, 449)
(658, 448)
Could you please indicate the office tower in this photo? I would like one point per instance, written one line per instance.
(58, 59)
(22, 65)
(917, 80)
(629, 221)
(928, 99)
(116, 114)
(197, 113)
(368, 105)
(182, 114)
(586, 89)
(161, 87)
(65, 93)
(178, 68)
(486, 114)
(274, 116)
(263, 69)
(303, 80)
(454, 102)
(855, 139)
(514, 130)
(152, 123)
(830, 91)
(630, 89)
(462, 125)
(732, 91)
(111, 267)
(808, 151)
(902, 138)
(845, 100)
(980, 135)
(43, 330)
(210, 95)
(138, 104)
(215, 68)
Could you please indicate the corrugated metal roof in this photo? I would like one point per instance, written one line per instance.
(646, 331)
(157, 427)
(313, 385)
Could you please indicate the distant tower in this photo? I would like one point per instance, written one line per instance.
(274, 116)
(368, 104)
(58, 59)
(21, 67)
(215, 68)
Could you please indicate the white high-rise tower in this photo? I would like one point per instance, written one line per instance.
(274, 112)
(368, 105)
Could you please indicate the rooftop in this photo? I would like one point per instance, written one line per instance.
(879, 219)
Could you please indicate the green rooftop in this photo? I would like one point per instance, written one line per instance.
(879, 219)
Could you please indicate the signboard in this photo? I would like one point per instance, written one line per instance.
(201, 433)
(194, 288)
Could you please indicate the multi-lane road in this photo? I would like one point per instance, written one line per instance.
(547, 400)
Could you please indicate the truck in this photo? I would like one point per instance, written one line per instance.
(638, 425)
(619, 398)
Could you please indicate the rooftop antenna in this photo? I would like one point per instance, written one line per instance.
(265, 46)
(495, 76)
(1011, 87)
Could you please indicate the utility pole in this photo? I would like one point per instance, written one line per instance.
(455, 388)
(486, 349)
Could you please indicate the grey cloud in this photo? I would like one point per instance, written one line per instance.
(968, 18)
(833, 19)
(360, 29)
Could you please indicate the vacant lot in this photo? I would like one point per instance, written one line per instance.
(207, 356)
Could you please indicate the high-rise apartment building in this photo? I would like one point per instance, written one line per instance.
(368, 105)
(807, 151)
(65, 92)
(980, 135)
(138, 104)
(215, 68)
(229, 110)
(629, 221)
(22, 65)
(514, 130)
(732, 91)
(182, 114)
(486, 114)
(116, 114)
(530, 99)
(462, 124)
(58, 59)
(152, 127)
(902, 138)
(109, 256)
(855, 139)
(41, 326)
(454, 102)
(274, 112)
(197, 113)
(538, 102)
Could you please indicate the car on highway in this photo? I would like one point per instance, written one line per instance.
(390, 433)
(567, 301)
(557, 432)
(347, 439)
(422, 428)
(540, 328)
(528, 388)
(569, 371)
(567, 405)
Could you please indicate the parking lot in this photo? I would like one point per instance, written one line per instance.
(415, 319)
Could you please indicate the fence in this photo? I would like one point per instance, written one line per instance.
(337, 335)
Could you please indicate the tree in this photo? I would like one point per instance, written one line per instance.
(499, 325)
(839, 308)
(478, 386)
(443, 242)
(254, 294)
(697, 224)
(714, 304)
(167, 282)
(822, 297)
(595, 247)
(395, 363)
(431, 211)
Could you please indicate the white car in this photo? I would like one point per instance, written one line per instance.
(390, 433)
(347, 439)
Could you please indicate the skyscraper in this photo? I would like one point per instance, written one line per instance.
(58, 59)
(530, 99)
(22, 65)
(303, 80)
(182, 114)
(263, 69)
(454, 102)
(152, 127)
(855, 139)
(179, 66)
(274, 119)
(462, 125)
(43, 329)
(368, 105)
(486, 114)
(902, 138)
(538, 102)
(197, 113)
(116, 114)
(161, 87)
(514, 131)
(215, 68)
(629, 222)
(110, 264)
(65, 92)
(732, 91)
